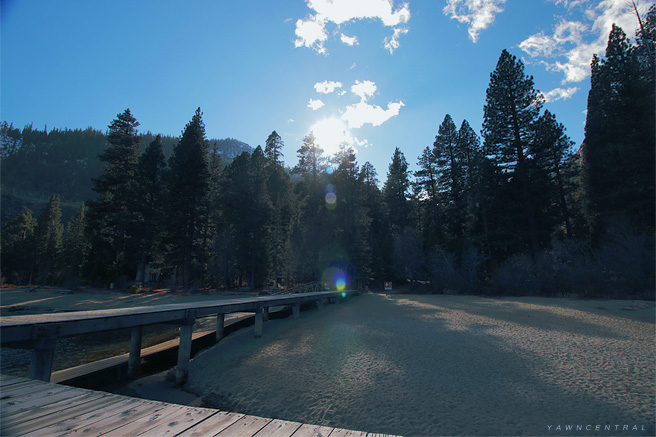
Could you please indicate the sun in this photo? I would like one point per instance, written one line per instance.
(330, 133)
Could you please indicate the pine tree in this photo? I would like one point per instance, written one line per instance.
(511, 110)
(451, 182)
(112, 218)
(17, 248)
(618, 150)
(273, 149)
(396, 192)
(48, 242)
(74, 245)
(550, 150)
(427, 197)
(188, 202)
(311, 160)
(151, 189)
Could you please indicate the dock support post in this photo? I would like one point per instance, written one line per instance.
(134, 360)
(265, 315)
(296, 310)
(220, 324)
(259, 321)
(320, 304)
(184, 351)
(42, 355)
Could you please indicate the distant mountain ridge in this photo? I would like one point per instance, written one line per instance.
(38, 163)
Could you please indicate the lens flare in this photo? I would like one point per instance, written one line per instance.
(340, 284)
(331, 198)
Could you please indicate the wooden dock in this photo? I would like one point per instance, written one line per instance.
(35, 408)
(40, 332)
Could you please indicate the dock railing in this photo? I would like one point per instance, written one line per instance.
(40, 332)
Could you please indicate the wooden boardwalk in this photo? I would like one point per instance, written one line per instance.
(39, 332)
(35, 408)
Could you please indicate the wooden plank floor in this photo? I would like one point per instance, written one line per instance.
(35, 408)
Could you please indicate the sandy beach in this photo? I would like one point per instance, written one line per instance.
(417, 364)
(445, 365)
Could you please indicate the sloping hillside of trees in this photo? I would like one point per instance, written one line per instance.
(516, 211)
(37, 163)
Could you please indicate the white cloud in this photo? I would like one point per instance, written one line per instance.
(478, 15)
(538, 45)
(315, 104)
(570, 47)
(311, 31)
(392, 43)
(349, 40)
(560, 94)
(362, 113)
(364, 89)
(327, 87)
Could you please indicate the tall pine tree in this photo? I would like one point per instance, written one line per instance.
(512, 107)
(112, 218)
(188, 202)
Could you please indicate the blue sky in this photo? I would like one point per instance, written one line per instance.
(378, 73)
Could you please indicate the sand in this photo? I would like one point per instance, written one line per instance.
(445, 365)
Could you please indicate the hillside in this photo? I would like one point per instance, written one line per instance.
(37, 163)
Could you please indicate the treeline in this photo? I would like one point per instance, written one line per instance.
(517, 211)
(37, 163)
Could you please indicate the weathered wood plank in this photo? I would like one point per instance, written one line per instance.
(157, 415)
(339, 432)
(18, 403)
(313, 431)
(107, 407)
(7, 380)
(279, 428)
(108, 420)
(247, 426)
(58, 410)
(174, 425)
(49, 415)
(212, 425)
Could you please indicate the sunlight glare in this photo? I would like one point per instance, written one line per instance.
(330, 133)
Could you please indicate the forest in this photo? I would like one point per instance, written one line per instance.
(514, 211)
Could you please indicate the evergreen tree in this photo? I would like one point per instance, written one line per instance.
(112, 218)
(396, 191)
(17, 248)
(48, 242)
(188, 202)
(74, 245)
(511, 110)
(618, 150)
(427, 196)
(451, 160)
(550, 150)
(273, 149)
(150, 206)
(311, 160)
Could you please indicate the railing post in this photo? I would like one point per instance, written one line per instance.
(42, 356)
(184, 350)
(265, 314)
(134, 360)
(220, 323)
(259, 321)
